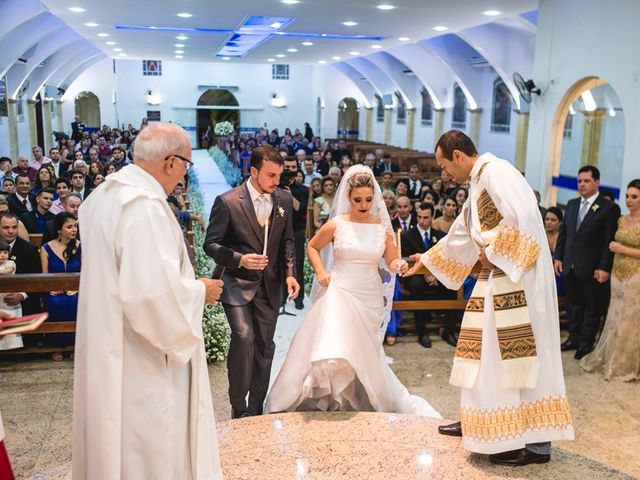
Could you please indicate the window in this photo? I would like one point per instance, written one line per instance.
(279, 71)
(379, 109)
(402, 109)
(426, 116)
(502, 105)
(459, 119)
(568, 126)
(4, 110)
(152, 68)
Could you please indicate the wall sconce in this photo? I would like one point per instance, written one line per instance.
(152, 98)
(278, 101)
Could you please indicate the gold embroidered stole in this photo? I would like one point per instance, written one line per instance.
(509, 308)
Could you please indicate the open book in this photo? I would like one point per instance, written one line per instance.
(9, 326)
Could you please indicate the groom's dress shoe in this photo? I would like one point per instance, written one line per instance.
(569, 345)
(453, 429)
(425, 341)
(239, 414)
(518, 458)
(581, 352)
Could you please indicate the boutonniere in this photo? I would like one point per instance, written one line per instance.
(434, 240)
(12, 258)
(595, 207)
(280, 212)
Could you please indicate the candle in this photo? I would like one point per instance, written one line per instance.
(399, 242)
(266, 237)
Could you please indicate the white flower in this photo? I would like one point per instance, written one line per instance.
(280, 212)
(223, 128)
(595, 207)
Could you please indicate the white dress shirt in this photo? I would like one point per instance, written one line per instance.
(268, 203)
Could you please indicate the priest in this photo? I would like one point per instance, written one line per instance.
(507, 359)
(142, 401)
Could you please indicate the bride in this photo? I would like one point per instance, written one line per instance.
(336, 360)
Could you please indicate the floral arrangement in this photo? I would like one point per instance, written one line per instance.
(215, 327)
(232, 173)
(223, 129)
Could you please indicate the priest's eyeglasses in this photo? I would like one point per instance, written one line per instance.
(187, 163)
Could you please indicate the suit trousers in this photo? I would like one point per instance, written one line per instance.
(253, 326)
(587, 299)
(299, 238)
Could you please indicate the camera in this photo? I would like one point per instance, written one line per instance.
(286, 179)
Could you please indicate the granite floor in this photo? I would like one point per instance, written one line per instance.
(36, 399)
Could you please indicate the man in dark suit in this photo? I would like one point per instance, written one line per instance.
(582, 255)
(253, 282)
(21, 201)
(422, 287)
(387, 165)
(405, 219)
(36, 220)
(79, 183)
(58, 165)
(415, 183)
(27, 260)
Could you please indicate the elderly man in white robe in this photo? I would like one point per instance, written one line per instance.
(142, 402)
(507, 359)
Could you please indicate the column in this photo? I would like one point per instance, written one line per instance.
(592, 137)
(388, 121)
(522, 135)
(368, 127)
(33, 132)
(411, 126)
(13, 130)
(474, 129)
(438, 124)
(59, 118)
(46, 125)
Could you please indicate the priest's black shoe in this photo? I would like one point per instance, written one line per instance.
(239, 414)
(581, 352)
(449, 337)
(425, 341)
(299, 304)
(569, 345)
(518, 458)
(453, 429)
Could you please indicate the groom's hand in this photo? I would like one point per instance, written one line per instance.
(294, 287)
(253, 261)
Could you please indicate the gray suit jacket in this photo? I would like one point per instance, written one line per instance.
(234, 231)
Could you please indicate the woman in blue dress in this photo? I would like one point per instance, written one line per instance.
(62, 255)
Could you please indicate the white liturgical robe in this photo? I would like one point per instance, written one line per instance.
(501, 214)
(142, 402)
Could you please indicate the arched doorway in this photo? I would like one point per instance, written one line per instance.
(348, 118)
(588, 129)
(218, 98)
(88, 109)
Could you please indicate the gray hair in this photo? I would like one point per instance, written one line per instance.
(157, 141)
(65, 198)
(335, 169)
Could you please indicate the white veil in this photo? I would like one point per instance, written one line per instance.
(341, 206)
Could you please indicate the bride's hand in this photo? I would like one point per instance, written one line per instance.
(324, 279)
(400, 266)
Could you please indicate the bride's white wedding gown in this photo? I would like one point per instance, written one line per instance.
(336, 360)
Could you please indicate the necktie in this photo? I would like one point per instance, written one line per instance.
(584, 208)
(404, 225)
(413, 186)
(426, 239)
(24, 202)
(261, 210)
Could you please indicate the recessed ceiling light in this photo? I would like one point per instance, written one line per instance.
(386, 6)
(307, 44)
(290, 2)
(117, 49)
(226, 58)
(90, 24)
(76, 9)
(404, 39)
(322, 61)
(349, 23)
(103, 35)
(179, 51)
(109, 43)
(185, 15)
(271, 59)
(179, 45)
(280, 55)
(179, 56)
(122, 54)
(492, 13)
(440, 28)
(337, 57)
(276, 25)
(292, 50)
(182, 37)
(376, 47)
(354, 53)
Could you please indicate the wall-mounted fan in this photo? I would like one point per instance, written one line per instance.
(23, 89)
(526, 88)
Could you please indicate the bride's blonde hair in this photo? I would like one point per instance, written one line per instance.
(360, 180)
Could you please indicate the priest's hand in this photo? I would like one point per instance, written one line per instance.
(253, 261)
(484, 260)
(293, 287)
(213, 290)
(416, 266)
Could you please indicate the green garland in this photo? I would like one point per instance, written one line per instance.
(215, 327)
(230, 171)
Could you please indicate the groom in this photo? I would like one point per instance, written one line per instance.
(253, 282)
